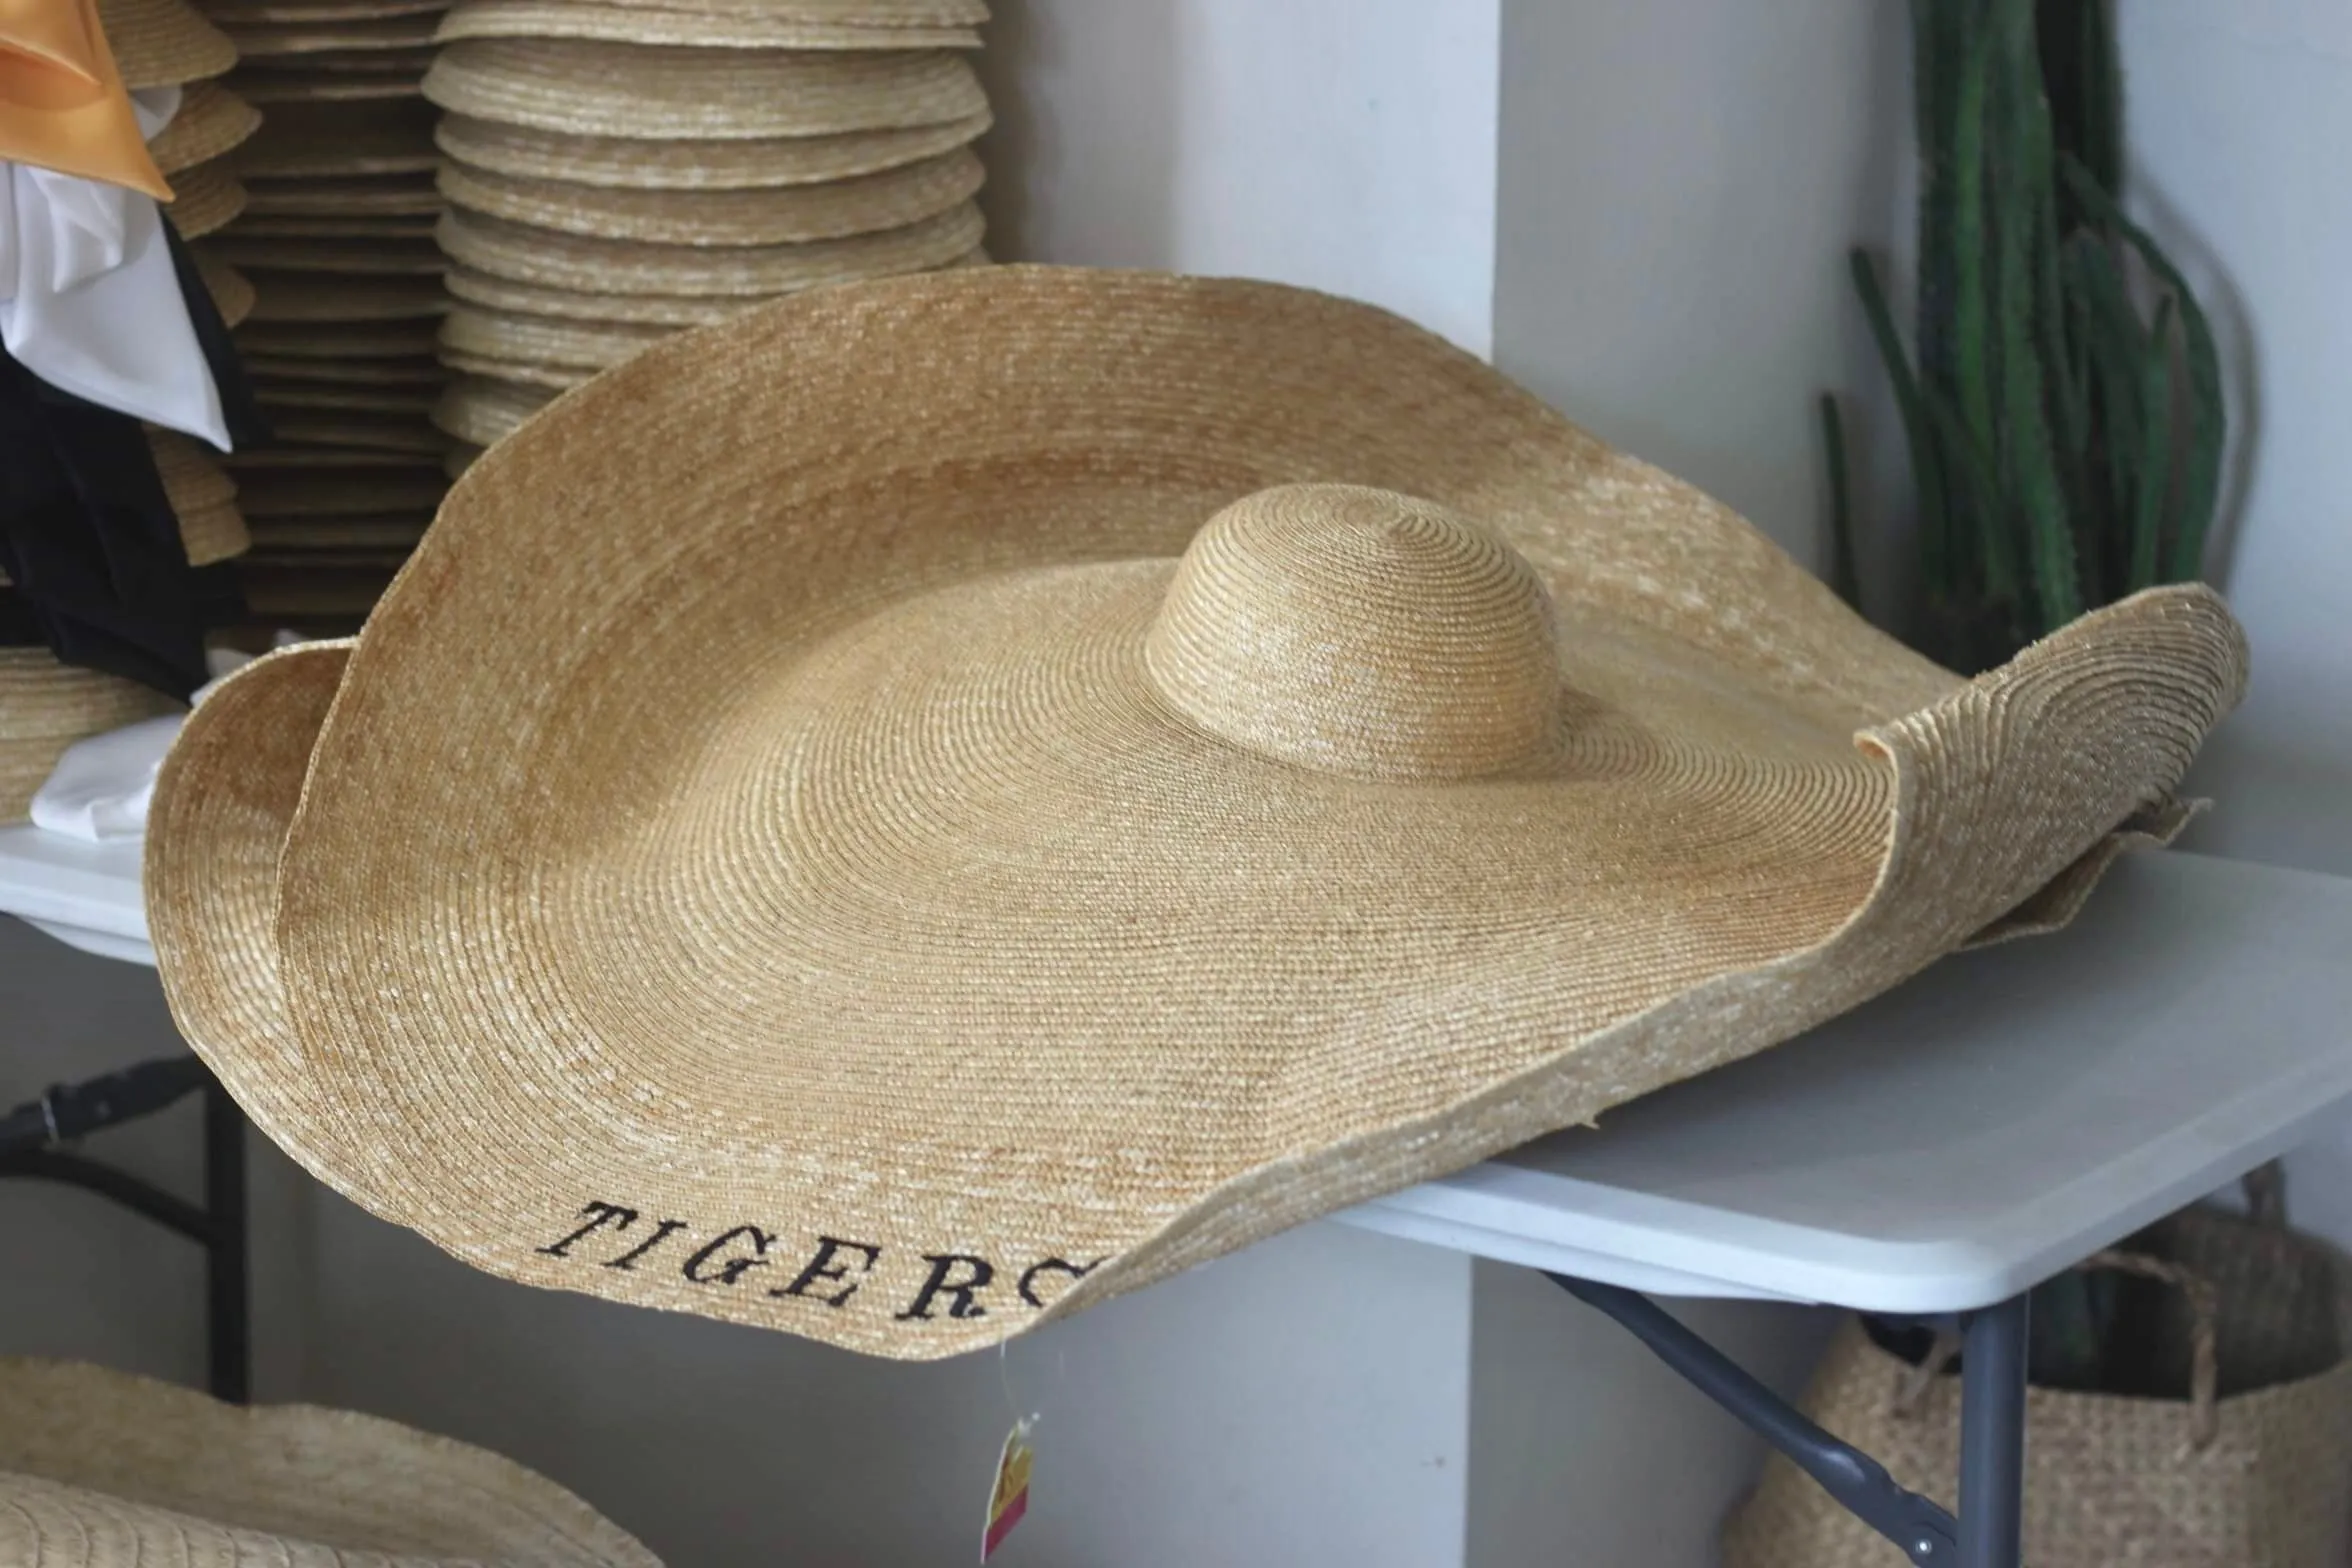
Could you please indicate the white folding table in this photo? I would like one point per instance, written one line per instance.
(1933, 1155)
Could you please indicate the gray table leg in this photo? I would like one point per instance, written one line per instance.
(1992, 1437)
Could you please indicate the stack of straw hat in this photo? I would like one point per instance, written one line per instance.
(618, 169)
(162, 44)
(337, 241)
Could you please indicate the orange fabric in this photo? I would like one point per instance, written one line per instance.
(62, 103)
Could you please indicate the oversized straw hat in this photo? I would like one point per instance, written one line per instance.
(160, 43)
(621, 22)
(212, 121)
(641, 90)
(792, 214)
(942, 801)
(99, 1469)
(634, 163)
(573, 261)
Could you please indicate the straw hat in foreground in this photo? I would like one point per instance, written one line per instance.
(99, 1469)
(938, 802)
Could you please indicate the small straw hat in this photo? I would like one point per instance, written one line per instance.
(192, 476)
(305, 296)
(213, 534)
(507, 335)
(45, 707)
(641, 90)
(571, 261)
(212, 121)
(793, 214)
(328, 140)
(340, 258)
(480, 411)
(633, 163)
(638, 24)
(942, 801)
(409, 34)
(523, 372)
(100, 1469)
(205, 199)
(388, 196)
(161, 43)
(231, 291)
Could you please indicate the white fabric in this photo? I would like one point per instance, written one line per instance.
(89, 301)
(101, 788)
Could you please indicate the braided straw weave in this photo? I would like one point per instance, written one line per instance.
(642, 24)
(572, 261)
(205, 199)
(212, 121)
(482, 411)
(608, 89)
(635, 163)
(822, 835)
(785, 215)
(99, 1469)
(484, 334)
(46, 706)
(161, 43)
(2261, 1478)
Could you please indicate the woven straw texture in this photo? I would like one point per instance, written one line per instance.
(634, 163)
(46, 707)
(529, 373)
(212, 121)
(2116, 1481)
(625, 23)
(542, 340)
(231, 291)
(481, 411)
(788, 215)
(99, 1469)
(160, 43)
(192, 477)
(572, 261)
(205, 199)
(951, 871)
(568, 304)
(308, 141)
(606, 89)
(862, 13)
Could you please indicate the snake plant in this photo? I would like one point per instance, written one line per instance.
(2061, 395)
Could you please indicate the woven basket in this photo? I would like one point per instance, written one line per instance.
(2251, 1469)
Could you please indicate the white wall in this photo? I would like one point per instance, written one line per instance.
(1345, 145)
(2239, 118)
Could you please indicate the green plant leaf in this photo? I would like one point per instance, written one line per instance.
(1971, 243)
(1919, 432)
(1844, 575)
(2155, 458)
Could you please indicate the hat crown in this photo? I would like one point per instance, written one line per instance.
(1361, 632)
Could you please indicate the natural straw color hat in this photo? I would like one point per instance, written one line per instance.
(384, 196)
(100, 1469)
(340, 258)
(308, 297)
(523, 372)
(633, 163)
(45, 707)
(161, 43)
(571, 261)
(864, 13)
(192, 477)
(327, 140)
(897, 818)
(212, 121)
(638, 24)
(301, 38)
(213, 534)
(462, 456)
(507, 335)
(530, 299)
(606, 89)
(231, 291)
(480, 411)
(793, 214)
(205, 199)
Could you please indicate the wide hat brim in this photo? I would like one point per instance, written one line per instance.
(644, 24)
(159, 43)
(635, 163)
(100, 1469)
(808, 911)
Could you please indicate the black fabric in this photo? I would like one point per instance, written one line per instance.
(87, 533)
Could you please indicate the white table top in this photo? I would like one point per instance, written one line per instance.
(1953, 1143)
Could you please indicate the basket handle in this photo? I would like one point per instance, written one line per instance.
(2204, 1332)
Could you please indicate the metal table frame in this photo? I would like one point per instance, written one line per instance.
(30, 1146)
(1989, 1532)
